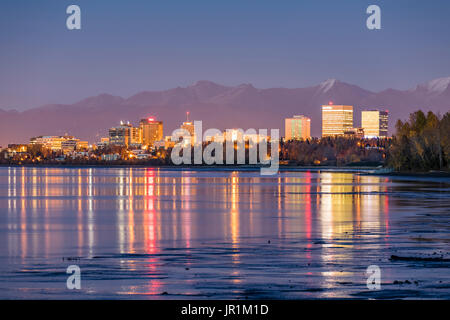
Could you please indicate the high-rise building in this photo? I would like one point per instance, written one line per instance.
(296, 128)
(151, 131)
(336, 119)
(119, 135)
(135, 136)
(375, 123)
(189, 127)
(124, 135)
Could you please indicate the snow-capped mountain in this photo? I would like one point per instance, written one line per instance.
(219, 107)
(435, 87)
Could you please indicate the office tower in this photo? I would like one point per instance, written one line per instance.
(375, 123)
(189, 127)
(124, 135)
(297, 128)
(135, 136)
(336, 119)
(151, 131)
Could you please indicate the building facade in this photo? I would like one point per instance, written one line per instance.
(375, 123)
(69, 145)
(297, 128)
(357, 133)
(189, 127)
(151, 131)
(336, 120)
(55, 143)
(124, 135)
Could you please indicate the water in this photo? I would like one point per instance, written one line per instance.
(144, 233)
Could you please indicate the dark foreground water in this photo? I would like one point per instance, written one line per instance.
(165, 234)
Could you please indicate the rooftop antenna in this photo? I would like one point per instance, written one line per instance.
(187, 116)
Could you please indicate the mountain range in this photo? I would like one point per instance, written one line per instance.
(218, 106)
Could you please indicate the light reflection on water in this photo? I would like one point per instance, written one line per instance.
(298, 234)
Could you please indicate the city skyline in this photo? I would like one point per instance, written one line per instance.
(337, 120)
(218, 105)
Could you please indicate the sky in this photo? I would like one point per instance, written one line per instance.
(125, 47)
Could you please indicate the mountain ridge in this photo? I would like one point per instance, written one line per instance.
(219, 106)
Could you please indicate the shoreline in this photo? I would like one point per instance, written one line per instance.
(365, 170)
(432, 174)
(192, 167)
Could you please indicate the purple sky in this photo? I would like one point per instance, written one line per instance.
(128, 46)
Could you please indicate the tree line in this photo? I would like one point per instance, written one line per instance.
(334, 151)
(422, 143)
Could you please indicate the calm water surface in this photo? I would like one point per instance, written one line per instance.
(146, 233)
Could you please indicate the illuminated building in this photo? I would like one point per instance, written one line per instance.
(160, 144)
(168, 142)
(17, 147)
(120, 135)
(297, 128)
(151, 131)
(55, 143)
(124, 135)
(103, 143)
(15, 150)
(82, 145)
(239, 135)
(336, 119)
(375, 123)
(69, 145)
(135, 136)
(110, 157)
(354, 133)
(189, 127)
(219, 137)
